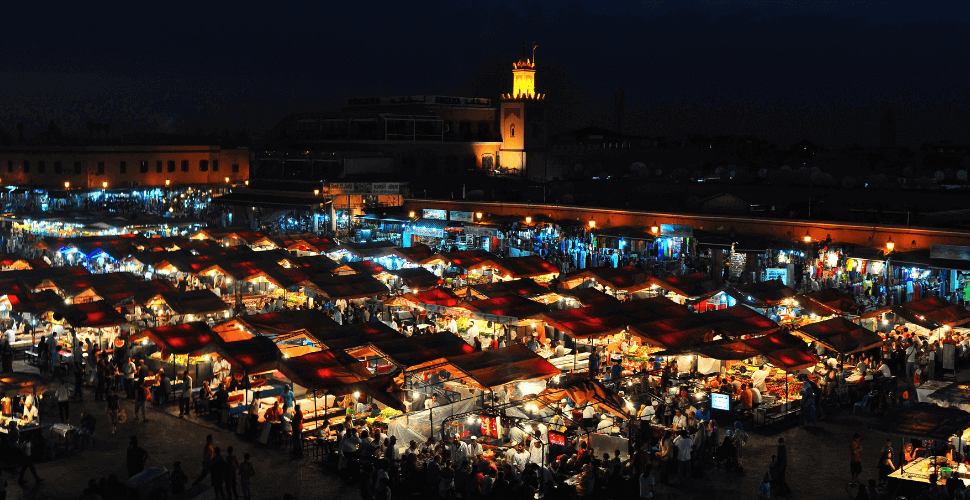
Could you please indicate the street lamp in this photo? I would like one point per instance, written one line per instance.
(227, 180)
(316, 192)
(67, 185)
(411, 214)
(592, 223)
(807, 238)
(528, 220)
(655, 228)
(168, 182)
(478, 215)
(890, 245)
(104, 185)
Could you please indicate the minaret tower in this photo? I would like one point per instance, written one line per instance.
(522, 116)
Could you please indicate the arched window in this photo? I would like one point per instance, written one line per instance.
(512, 130)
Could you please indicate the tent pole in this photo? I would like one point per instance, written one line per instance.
(314, 403)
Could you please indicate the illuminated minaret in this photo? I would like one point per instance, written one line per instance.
(522, 117)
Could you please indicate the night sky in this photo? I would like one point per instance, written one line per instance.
(823, 70)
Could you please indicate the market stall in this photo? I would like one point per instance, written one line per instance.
(928, 423)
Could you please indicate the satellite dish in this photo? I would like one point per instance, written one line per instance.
(938, 176)
(962, 175)
(763, 173)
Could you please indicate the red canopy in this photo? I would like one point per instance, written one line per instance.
(414, 353)
(255, 355)
(197, 302)
(525, 267)
(511, 306)
(281, 322)
(694, 286)
(436, 296)
(590, 296)
(827, 302)
(97, 314)
(468, 258)
(781, 348)
(610, 318)
(497, 367)
(188, 338)
(330, 370)
(522, 287)
(348, 286)
(36, 303)
(417, 254)
(842, 335)
(938, 311)
(694, 329)
(629, 279)
(766, 293)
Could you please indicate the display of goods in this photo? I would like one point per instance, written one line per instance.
(778, 390)
(488, 455)
(390, 413)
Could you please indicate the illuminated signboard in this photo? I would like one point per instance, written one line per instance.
(557, 438)
(491, 427)
(430, 213)
(720, 401)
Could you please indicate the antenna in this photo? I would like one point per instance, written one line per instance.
(534, 46)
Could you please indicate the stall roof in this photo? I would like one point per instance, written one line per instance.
(827, 302)
(589, 296)
(926, 421)
(97, 314)
(35, 303)
(417, 254)
(694, 329)
(354, 336)
(782, 349)
(763, 294)
(370, 250)
(417, 278)
(609, 318)
(350, 286)
(525, 267)
(278, 323)
(629, 279)
(33, 278)
(334, 371)
(511, 306)
(436, 296)
(188, 338)
(254, 355)
(497, 367)
(921, 259)
(315, 263)
(366, 267)
(522, 287)
(584, 392)
(692, 286)
(938, 311)
(468, 258)
(416, 352)
(841, 335)
(306, 242)
(197, 302)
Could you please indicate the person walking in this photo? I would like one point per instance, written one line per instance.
(782, 466)
(208, 452)
(297, 426)
(112, 407)
(246, 473)
(136, 457)
(232, 470)
(684, 445)
(185, 397)
(855, 458)
(63, 396)
(218, 470)
(141, 398)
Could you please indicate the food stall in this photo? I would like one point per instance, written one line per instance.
(931, 426)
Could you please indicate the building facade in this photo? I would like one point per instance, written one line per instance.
(121, 166)
(411, 135)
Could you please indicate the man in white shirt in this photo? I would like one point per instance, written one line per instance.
(430, 402)
(884, 369)
(588, 415)
(647, 412)
(679, 421)
(11, 336)
(516, 436)
(560, 350)
(911, 352)
(683, 444)
(63, 396)
(758, 379)
(460, 450)
(30, 410)
(520, 461)
(537, 453)
(475, 450)
(755, 397)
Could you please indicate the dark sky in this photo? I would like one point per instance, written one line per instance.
(819, 69)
